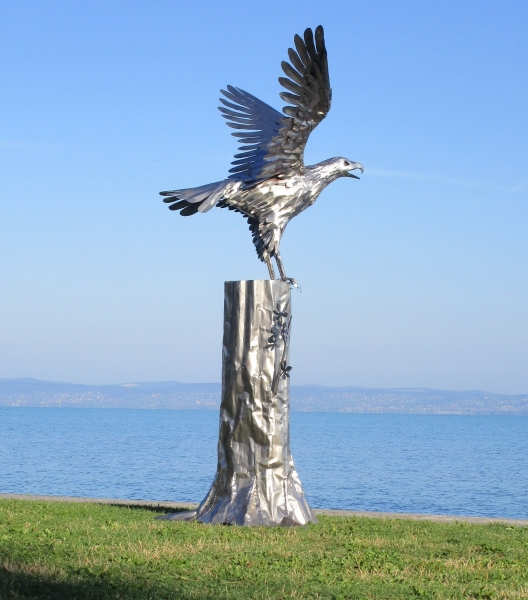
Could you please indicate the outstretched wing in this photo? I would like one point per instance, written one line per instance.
(273, 145)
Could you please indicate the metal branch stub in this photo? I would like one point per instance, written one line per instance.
(280, 331)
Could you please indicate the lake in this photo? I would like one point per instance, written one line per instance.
(440, 464)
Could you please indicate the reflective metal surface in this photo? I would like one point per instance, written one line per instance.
(269, 183)
(256, 482)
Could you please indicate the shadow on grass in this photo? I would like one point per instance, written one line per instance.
(20, 585)
(155, 509)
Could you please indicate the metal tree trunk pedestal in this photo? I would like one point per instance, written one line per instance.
(256, 482)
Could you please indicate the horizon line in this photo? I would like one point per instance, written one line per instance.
(359, 387)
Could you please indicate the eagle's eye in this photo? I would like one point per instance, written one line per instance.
(346, 163)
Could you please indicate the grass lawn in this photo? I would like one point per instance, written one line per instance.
(67, 550)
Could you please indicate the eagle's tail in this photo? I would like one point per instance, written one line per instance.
(199, 199)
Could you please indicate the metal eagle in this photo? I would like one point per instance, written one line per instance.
(269, 182)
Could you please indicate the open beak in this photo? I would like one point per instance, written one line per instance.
(353, 167)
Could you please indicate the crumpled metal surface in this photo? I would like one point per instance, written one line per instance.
(256, 482)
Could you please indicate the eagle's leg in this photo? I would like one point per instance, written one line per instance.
(270, 266)
(280, 266)
(282, 272)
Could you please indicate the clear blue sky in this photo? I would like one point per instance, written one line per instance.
(414, 276)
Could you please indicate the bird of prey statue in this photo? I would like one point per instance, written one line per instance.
(269, 182)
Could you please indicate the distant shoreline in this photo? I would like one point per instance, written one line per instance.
(304, 398)
(344, 412)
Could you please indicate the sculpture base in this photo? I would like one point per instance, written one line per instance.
(256, 482)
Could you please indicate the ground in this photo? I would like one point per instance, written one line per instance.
(90, 551)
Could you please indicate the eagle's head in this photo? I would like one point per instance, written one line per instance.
(345, 166)
(332, 168)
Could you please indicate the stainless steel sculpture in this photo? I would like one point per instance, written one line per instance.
(256, 482)
(269, 183)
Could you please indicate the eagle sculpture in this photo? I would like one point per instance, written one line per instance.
(269, 182)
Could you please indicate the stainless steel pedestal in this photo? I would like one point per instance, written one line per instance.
(256, 482)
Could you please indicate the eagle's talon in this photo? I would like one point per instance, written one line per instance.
(292, 282)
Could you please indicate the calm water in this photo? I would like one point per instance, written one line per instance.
(406, 463)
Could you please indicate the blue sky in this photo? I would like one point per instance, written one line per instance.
(414, 276)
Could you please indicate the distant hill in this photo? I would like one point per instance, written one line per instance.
(162, 394)
(304, 398)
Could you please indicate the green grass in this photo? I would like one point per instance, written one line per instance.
(68, 551)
